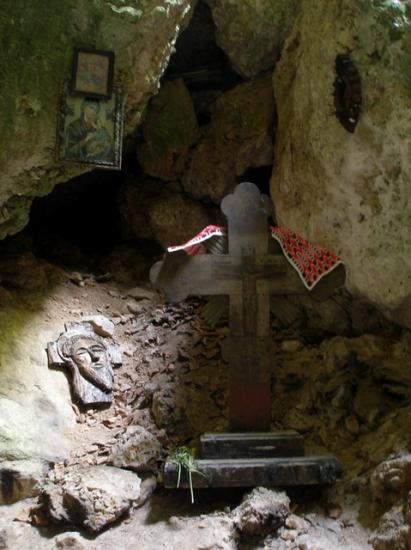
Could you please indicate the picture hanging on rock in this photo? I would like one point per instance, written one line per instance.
(92, 73)
(90, 130)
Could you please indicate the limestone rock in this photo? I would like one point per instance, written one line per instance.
(20, 479)
(35, 411)
(91, 497)
(170, 128)
(262, 511)
(239, 136)
(142, 37)
(391, 480)
(153, 210)
(137, 449)
(69, 541)
(392, 532)
(252, 33)
(349, 191)
(101, 325)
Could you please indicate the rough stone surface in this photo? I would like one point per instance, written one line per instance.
(392, 532)
(137, 449)
(170, 128)
(101, 325)
(349, 192)
(252, 33)
(141, 35)
(391, 480)
(69, 541)
(154, 210)
(20, 479)
(91, 497)
(239, 136)
(35, 411)
(262, 511)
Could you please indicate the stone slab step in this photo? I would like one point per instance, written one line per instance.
(251, 445)
(248, 472)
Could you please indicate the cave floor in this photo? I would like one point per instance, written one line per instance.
(168, 351)
(169, 521)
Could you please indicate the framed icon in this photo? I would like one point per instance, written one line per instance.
(92, 73)
(90, 130)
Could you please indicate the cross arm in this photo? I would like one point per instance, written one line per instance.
(289, 282)
(179, 276)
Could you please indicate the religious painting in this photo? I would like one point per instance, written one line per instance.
(90, 130)
(92, 73)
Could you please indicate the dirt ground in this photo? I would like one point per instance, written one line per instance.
(174, 383)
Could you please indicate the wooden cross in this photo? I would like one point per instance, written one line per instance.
(249, 275)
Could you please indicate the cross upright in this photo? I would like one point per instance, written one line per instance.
(249, 275)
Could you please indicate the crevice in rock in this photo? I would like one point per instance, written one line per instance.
(197, 59)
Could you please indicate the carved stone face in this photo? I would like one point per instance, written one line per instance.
(90, 359)
(87, 352)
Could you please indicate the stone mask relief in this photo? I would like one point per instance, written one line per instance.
(90, 360)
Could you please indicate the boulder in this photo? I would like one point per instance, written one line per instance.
(137, 449)
(252, 33)
(69, 541)
(348, 191)
(170, 128)
(261, 512)
(391, 480)
(20, 479)
(392, 532)
(35, 405)
(101, 325)
(142, 38)
(240, 136)
(153, 210)
(91, 498)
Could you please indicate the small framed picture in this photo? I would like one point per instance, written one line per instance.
(92, 73)
(90, 130)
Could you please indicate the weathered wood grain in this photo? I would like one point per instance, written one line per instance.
(251, 445)
(247, 472)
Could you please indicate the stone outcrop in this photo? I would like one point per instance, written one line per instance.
(240, 136)
(261, 512)
(391, 490)
(154, 210)
(349, 191)
(137, 449)
(142, 37)
(252, 33)
(91, 498)
(170, 128)
(35, 411)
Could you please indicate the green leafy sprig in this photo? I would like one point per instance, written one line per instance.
(184, 458)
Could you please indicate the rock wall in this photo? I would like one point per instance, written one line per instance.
(239, 136)
(39, 44)
(349, 191)
(252, 33)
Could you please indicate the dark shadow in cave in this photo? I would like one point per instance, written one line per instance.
(82, 212)
(79, 223)
(197, 59)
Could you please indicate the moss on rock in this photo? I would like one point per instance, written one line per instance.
(39, 41)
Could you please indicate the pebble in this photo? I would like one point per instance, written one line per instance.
(133, 307)
(290, 534)
(297, 523)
